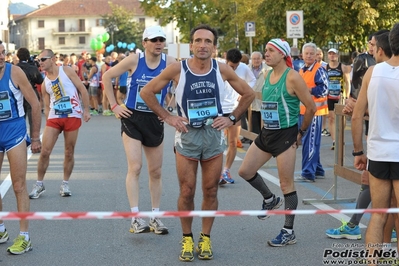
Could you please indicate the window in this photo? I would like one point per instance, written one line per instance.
(81, 25)
(40, 23)
(99, 22)
(61, 25)
(41, 43)
(61, 40)
(142, 22)
(82, 40)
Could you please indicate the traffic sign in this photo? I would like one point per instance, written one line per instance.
(250, 29)
(295, 24)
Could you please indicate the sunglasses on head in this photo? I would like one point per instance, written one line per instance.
(44, 59)
(161, 39)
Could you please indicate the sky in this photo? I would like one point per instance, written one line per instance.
(35, 3)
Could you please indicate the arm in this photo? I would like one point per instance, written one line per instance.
(346, 70)
(82, 90)
(321, 81)
(360, 162)
(127, 64)
(46, 101)
(21, 81)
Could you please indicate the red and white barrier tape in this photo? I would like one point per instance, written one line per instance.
(172, 214)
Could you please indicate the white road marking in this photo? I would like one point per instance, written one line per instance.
(321, 206)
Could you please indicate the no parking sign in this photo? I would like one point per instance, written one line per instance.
(295, 24)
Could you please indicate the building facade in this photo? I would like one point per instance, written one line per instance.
(69, 25)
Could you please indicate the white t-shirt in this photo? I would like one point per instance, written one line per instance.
(383, 99)
(230, 98)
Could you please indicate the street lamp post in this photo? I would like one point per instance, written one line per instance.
(112, 28)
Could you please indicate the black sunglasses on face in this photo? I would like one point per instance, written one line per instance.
(44, 59)
(161, 39)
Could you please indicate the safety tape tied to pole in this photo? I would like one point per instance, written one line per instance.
(174, 214)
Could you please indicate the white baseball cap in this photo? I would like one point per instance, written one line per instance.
(153, 32)
(333, 50)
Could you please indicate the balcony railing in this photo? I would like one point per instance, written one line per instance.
(71, 31)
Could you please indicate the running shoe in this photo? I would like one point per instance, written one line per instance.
(93, 112)
(222, 181)
(65, 191)
(138, 225)
(37, 191)
(275, 204)
(333, 146)
(239, 144)
(394, 238)
(20, 246)
(107, 113)
(3, 237)
(158, 227)
(303, 179)
(283, 239)
(187, 249)
(204, 248)
(325, 133)
(344, 231)
(227, 177)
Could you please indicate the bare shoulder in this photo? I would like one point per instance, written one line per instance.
(369, 72)
(16, 72)
(69, 71)
(174, 67)
(293, 76)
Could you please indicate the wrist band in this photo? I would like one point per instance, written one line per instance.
(113, 107)
(359, 153)
(35, 140)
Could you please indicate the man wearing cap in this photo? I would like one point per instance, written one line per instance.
(283, 91)
(338, 83)
(316, 79)
(141, 128)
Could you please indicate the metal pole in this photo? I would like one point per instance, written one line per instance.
(236, 26)
(250, 45)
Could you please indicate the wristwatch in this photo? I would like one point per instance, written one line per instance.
(233, 119)
(302, 132)
(357, 153)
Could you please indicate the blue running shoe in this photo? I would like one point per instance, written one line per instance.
(394, 238)
(275, 204)
(283, 239)
(227, 177)
(344, 231)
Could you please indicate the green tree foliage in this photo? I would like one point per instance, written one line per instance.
(347, 22)
(126, 29)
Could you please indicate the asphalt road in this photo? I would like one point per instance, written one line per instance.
(98, 184)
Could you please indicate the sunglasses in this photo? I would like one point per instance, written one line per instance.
(161, 39)
(44, 59)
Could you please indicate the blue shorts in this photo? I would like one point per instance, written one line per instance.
(13, 133)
